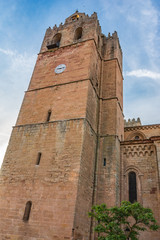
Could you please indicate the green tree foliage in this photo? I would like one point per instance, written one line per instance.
(124, 222)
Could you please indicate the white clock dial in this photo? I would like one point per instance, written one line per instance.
(60, 68)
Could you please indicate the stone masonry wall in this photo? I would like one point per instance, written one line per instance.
(108, 175)
(77, 59)
(141, 158)
(51, 186)
(82, 224)
(148, 131)
(112, 100)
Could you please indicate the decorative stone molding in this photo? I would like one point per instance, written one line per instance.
(154, 126)
(132, 135)
(138, 150)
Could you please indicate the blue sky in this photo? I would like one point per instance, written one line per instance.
(22, 27)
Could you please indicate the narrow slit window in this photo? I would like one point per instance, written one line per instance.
(104, 162)
(27, 211)
(98, 41)
(49, 115)
(38, 158)
(132, 187)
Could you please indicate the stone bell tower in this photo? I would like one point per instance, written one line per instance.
(69, 127)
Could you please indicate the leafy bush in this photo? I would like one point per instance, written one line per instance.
(124, 222)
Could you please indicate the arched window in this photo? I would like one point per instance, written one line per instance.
(132, 187)
(27, 211)
(136, 136)
(55, 43)
(78, 33)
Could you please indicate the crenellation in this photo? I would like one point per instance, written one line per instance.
(55, 27)
(132, 122)
(68, 28)
(112, 48)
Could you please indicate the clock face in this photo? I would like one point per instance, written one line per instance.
(60, 68)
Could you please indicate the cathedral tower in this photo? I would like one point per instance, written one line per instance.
(64, 151)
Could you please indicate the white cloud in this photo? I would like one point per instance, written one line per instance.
(7, 52)
(143, 73)
(19, 60)
(13, 82)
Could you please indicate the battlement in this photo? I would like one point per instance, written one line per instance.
(74, 18)
(132, 123)
(112, 48)
(78, 27)
(80, 17)
(114, 36)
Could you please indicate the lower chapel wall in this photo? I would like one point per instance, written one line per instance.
(141, 159)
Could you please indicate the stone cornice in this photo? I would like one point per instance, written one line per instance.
(144, 141)
(131, 142)
(155, 138)
(143, 127)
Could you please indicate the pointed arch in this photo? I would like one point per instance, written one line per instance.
(138, 135)
(55, 43)
(132, 183)
(78, 33)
